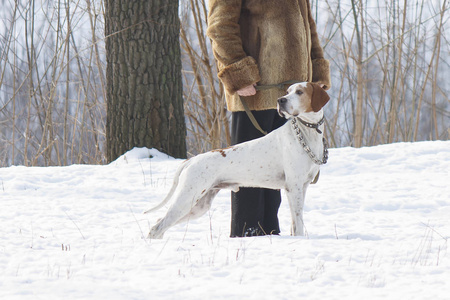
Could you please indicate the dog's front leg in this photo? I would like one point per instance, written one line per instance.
(296, 198)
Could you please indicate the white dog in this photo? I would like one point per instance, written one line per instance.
(287, 158)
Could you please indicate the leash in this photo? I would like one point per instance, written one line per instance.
(251, 116)
(276, 85)
(262, 88)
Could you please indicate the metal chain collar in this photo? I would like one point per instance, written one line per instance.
(307, 149)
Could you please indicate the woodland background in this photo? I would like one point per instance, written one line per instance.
(390, 64)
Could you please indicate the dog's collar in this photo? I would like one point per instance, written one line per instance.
(313, 125)
(305, 146)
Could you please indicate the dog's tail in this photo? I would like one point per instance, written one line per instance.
(172, 189)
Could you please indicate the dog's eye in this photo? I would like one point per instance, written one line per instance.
(299, 92)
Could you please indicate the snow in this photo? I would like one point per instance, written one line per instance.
(377, 226)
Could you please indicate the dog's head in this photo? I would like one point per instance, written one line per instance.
(302, 98)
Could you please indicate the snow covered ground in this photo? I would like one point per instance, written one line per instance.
(377, 227)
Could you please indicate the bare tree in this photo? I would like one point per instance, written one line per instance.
(208, 120)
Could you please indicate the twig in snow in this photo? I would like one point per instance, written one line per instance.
(75, 225)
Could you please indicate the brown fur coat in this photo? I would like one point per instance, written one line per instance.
(264, 42)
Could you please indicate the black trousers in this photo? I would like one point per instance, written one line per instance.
(254, 210)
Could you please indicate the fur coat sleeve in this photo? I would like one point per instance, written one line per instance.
(236, 69)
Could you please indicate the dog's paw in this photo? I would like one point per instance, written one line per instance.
(155, 233)
(152, 236)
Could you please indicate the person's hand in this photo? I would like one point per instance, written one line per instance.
(247, 91)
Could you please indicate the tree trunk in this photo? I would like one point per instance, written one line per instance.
(144, 88)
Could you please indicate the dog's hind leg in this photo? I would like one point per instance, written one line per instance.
(201, 207)
(181, 211)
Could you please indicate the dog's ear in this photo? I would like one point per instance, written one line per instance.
(319, 97)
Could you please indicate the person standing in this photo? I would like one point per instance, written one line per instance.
(259, 44)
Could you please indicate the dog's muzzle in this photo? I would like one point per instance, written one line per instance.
(281, 106)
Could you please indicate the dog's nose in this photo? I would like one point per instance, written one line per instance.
(282, 100)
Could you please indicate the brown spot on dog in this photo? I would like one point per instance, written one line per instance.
(222, 151)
